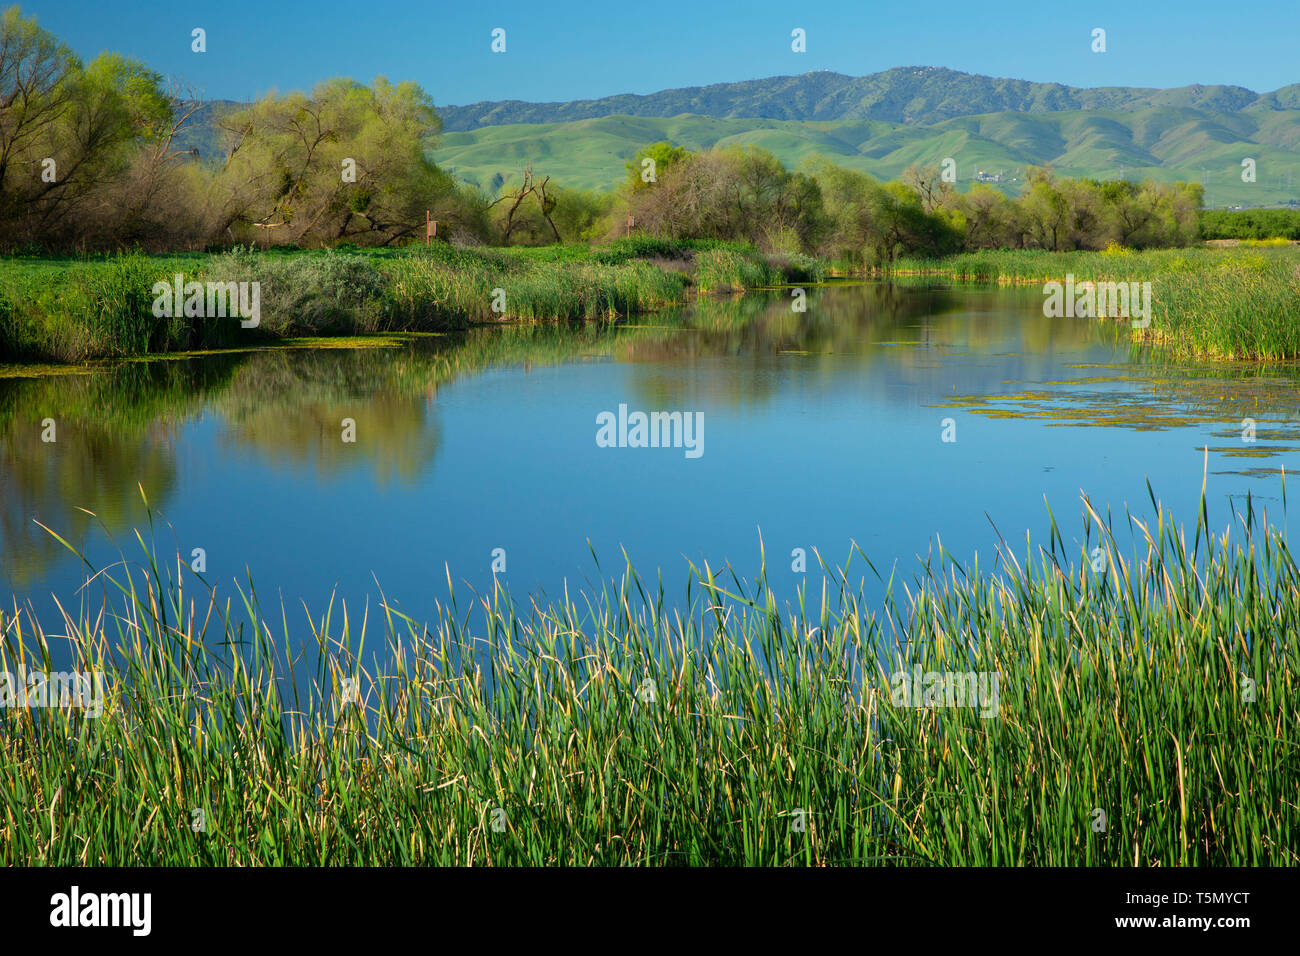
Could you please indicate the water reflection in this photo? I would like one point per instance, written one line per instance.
(214, 435)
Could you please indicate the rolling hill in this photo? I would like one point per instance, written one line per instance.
(1164, 142)
(912, 95)
(884, 122)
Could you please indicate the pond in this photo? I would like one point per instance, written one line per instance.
(883, 417)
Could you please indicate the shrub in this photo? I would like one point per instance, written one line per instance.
(722, 270)
(309, 294)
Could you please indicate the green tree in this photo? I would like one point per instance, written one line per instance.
(68, 131)
(739, 193)
(1046, 211)
(347, 161)
(663, 156)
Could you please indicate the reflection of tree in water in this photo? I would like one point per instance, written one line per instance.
(116, 428)
(114, 431)
(116, 424)
(866, 323)
(291, 406)
(87, 465)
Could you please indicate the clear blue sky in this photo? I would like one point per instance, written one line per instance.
(561, 51)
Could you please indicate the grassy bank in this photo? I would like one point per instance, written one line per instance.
(617, 732)
(75, 310)
(1240, 303)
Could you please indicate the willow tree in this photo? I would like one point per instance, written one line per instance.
(68, 131)
(346, 161)
(737, 193)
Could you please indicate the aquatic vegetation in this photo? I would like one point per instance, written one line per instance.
(1238, 303)
(1253, 405)
(73, 311)
(1133, 711)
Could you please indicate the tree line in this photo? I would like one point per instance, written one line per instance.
(99, 155)
(745, 193)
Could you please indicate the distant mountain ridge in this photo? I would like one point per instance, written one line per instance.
(880, 124)
(909, 95)
(1165, 143)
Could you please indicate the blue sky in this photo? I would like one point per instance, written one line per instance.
(561, 51)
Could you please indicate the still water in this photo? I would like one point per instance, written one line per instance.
(822, 430)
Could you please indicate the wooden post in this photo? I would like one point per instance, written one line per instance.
(630, 223)
(428, 228)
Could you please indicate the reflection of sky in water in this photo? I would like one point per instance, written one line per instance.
(821, 429)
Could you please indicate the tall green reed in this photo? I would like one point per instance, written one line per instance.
(621, 727)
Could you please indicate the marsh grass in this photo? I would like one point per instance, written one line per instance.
(730, 270)
(1240, 304)
(455, 287)
(70, 311)
(78, 310)
(1121, 690)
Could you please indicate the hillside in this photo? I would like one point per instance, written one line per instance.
(1165, 142)
(910, 95)
(884, 122)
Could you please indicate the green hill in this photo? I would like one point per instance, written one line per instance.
(884, 122)
(1164, 142)
(912, 95)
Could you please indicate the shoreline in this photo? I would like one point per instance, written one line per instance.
(1238, 303)
(69, 311)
